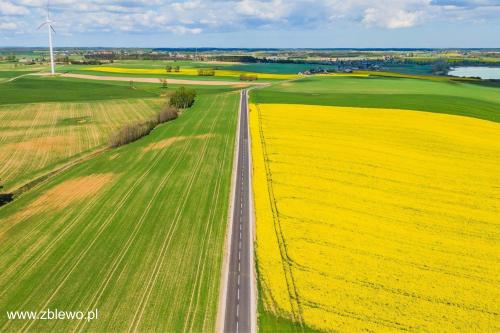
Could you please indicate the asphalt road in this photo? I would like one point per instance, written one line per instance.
(239, 288)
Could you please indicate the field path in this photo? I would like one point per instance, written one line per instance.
(155, 80)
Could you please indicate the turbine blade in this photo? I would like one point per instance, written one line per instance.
(41, 25)
(51, 27)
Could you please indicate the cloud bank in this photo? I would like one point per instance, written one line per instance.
(218, 16)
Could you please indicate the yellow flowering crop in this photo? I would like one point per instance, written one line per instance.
(377, 220)
(188, 71)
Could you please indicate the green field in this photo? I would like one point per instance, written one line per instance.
(38, 89)
(451, 97)
(137, 232)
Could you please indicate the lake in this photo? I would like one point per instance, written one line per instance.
(482, 72)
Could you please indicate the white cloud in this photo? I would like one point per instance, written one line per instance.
(265, 10)
(391, 19)
(178, 29)
(8, 26)
(8, 8)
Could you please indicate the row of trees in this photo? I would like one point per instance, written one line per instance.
(132, 132)
(182, 98)
(206, 72)
(170, 69)
(248, 77)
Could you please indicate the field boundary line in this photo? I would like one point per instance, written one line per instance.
(219, 327)
(28, 186)
(15, 78)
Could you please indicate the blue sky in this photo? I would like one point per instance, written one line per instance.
(255, 23)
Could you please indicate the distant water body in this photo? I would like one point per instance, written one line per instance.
(482, 72)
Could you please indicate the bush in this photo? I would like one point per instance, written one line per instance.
(131, 133)
(167, 114)
(248, 77)
(183, 98)
(5, 197)
(206, 72)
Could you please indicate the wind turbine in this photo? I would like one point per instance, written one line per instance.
(48, 23)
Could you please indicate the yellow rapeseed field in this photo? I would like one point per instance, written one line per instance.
(377, 220)
(188, 71)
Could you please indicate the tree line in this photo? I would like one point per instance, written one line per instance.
(182, 98)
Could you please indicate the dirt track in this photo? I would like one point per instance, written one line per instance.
(155, 80)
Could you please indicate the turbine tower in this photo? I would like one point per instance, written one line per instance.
(48, 23)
